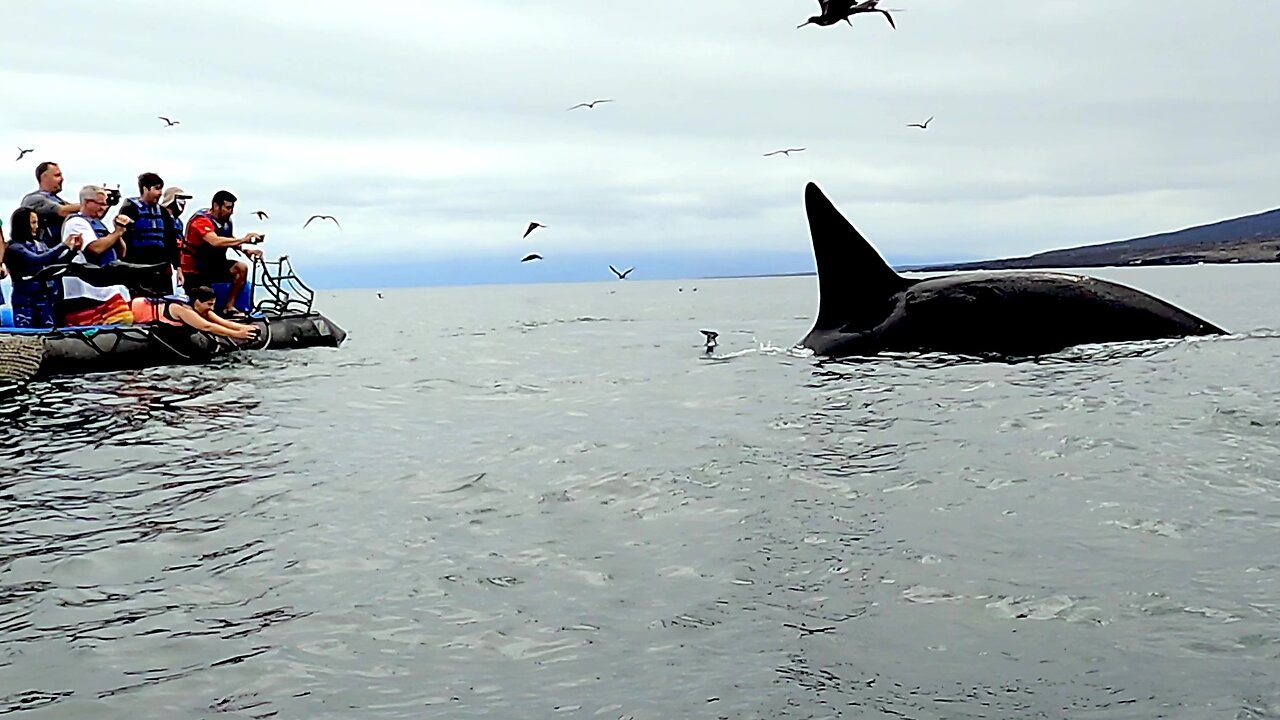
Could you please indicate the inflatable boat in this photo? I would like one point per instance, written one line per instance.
(276, 301)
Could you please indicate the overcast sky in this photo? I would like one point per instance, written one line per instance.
(437, 130)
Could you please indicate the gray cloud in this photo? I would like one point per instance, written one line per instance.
(436, 128)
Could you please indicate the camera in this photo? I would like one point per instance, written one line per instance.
(113, 195)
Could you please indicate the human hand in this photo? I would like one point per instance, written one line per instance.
(252, 252)
(74, 241)
(122, 221)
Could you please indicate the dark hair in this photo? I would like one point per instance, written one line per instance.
(42, 167)
(203, 293)
(222, 197)
(20, 226)
(148, 180)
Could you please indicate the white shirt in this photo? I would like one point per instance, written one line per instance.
(73, 287)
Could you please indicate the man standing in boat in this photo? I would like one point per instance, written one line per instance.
(147, 237)
(204, 251)
(44, 200)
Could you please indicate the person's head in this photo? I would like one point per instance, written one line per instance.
(202, 299)
(224, 203)
(49, 175)
(93, 201)
(175, 198)
(150, 185)
(24, 225)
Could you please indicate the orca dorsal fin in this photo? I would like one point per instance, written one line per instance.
(854, 282)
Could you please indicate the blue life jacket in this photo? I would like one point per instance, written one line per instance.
(148, 231)
(101, 231)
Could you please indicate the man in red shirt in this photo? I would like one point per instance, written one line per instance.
(204, 250)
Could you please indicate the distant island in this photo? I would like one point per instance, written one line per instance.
(1248, 239)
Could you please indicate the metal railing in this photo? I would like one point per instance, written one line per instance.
(284, 291)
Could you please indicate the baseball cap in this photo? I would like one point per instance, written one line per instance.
(172, 193)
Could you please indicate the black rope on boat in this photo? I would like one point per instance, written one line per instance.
(88, 338)
(156, 336)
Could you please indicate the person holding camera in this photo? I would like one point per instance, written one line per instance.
(109, 244)
(204, 250)
(44, 200)
(82, 302)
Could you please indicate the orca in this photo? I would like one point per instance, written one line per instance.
(865, 308)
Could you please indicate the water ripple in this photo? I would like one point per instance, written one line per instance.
(550, 503)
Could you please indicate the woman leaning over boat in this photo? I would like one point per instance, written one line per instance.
(34, 298)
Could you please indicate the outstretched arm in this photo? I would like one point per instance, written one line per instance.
(216, 240)
(229, 324)
(195, 320)
(23, 262)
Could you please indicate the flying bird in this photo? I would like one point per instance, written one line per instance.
(531, 256)
(591, 105)
(833, 11)
(23, 153)
(168, 122)
(262, 215)
(322, 217)
(786, 152)
(621, 275)
(532, 226)
(379, 296)
(924, 125)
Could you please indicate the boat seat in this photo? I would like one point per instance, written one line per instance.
(244, 302)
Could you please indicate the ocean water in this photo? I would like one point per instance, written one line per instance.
(548, 502)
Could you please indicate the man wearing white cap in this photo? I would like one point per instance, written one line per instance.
(174, 201)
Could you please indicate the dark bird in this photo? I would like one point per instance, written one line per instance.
(590, 105)
(924, 125)
(23, 153)
(532, 226)
(168, 122)
(531, 256)
(621, 275)
(322, 217)
(711, 336)
(808, 630)
(833, 11)
(262, 215)
(379, 296)
(786, 152)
